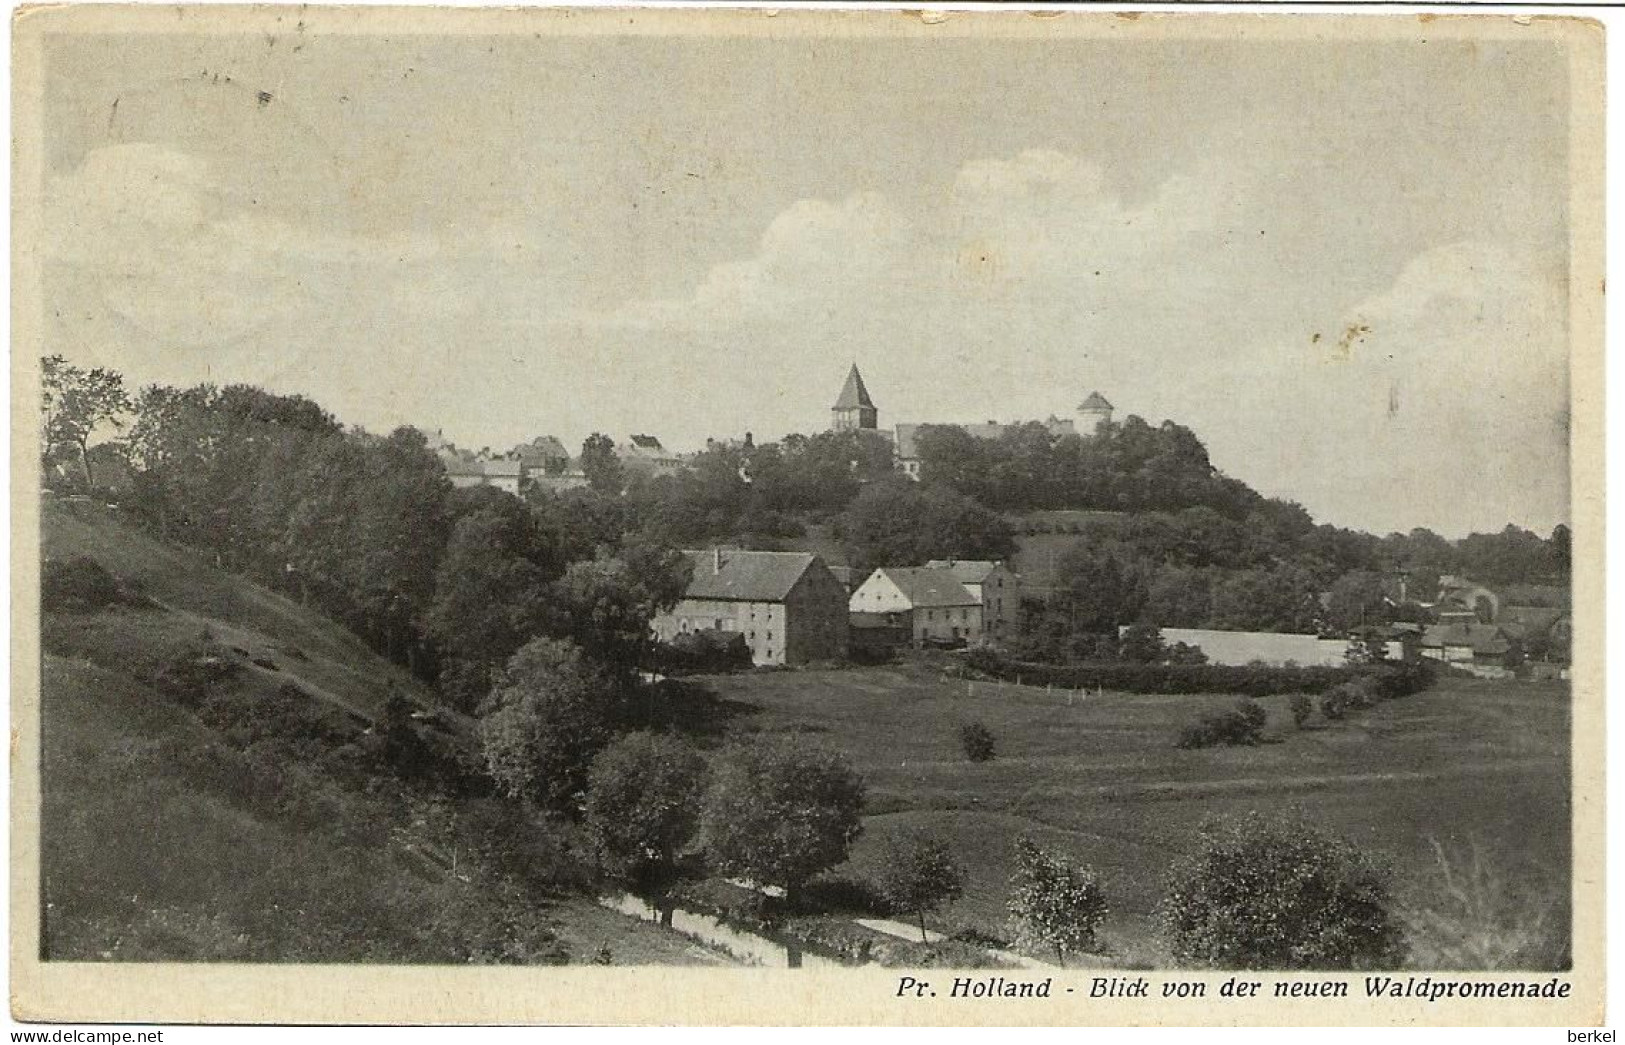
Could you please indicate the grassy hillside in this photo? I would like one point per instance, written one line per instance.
(1467, 763)
(213, 789)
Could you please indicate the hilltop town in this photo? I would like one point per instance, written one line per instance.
(755, 593)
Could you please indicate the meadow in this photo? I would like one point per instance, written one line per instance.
(1476, 769)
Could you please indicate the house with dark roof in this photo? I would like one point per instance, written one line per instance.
(939, 608)
(995, 586)
(543, 454)
(1483, 649)
(788, 605)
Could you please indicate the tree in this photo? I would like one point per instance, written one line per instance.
(601, 466)
(491, 594)
(1054, 903)
(608, 602)
(920, 875)
(1266, 894)
(779, 811)
(643, 800)
(550, 713)
(902, 523)
(74, 403)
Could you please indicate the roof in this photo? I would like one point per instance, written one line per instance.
(1483, 638)
(925, 587)
(965, 571)
(746, 576)
(503, 466)
(1096, 401)
(543, 447)
(853, 394)
(1523, 621)
(457, 464)
(646, 442)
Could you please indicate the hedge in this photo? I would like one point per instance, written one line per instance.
(1391, 679)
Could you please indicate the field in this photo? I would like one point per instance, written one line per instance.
(1468, 763)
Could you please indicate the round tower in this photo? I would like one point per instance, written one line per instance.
(1092, 413)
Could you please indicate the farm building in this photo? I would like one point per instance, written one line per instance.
(940, 609)
(788, 605)
(1483, 649)
(995, 585)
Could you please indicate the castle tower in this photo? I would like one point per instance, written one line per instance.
(1092, 413)
(854, 408)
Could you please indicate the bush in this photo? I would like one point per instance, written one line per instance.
(704, 652)
(1258, 680)
(1262, 894)
(77, 585)
(1334, 705)
(190, 676)
(1302, 707)
(977, 741)
(1241, 726)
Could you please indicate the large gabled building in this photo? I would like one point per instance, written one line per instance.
(788, 605)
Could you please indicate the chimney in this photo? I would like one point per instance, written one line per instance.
(716, 560)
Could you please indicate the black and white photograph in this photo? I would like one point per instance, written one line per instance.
(1035, 516)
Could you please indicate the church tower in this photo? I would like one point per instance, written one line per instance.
(854, 408)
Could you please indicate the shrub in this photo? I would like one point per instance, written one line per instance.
(704, 651)
(1242, 725)
(1334, 705)
(1302, 707)
(977, 741)
(77, 585)
(193, 674)
(1263, 894)
(1258, 680)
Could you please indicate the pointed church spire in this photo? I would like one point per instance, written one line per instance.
(853, 408)
(853, 393)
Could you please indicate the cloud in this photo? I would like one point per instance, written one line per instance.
(1445, 393)
(1026, 226)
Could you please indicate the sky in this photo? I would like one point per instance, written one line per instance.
(1344, 265)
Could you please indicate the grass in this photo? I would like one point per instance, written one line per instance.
(1099, 777)
(164, 838)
